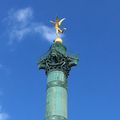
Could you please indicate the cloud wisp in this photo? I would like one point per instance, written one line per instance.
(21, 23)
(3, 115)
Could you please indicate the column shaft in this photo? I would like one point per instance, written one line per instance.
(56, 98)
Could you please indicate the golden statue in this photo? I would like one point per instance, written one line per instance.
(57, 24)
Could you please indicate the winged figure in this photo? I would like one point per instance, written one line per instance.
(57, 24)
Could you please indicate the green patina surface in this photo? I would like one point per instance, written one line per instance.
(56, 75)
(57, 65)
(56, 100)
(56, 78)
(57, 59)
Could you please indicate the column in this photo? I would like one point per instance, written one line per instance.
(56, 99)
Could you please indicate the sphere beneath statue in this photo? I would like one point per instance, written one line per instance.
(58, 39)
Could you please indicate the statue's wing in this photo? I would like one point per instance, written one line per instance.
(51, 22)
(61, 21)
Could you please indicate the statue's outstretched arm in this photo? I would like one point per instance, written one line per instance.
(51, 22)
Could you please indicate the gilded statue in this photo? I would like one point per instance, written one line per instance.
(57, 24)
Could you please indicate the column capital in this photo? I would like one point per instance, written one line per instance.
(57, 59)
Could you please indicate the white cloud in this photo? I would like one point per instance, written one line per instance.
(3, 115)
(46, 32)
(18, 34)
(21, 24)
(23, 15)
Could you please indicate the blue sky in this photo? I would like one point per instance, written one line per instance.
(93, 32)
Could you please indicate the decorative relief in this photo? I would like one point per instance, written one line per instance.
(57, 60)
